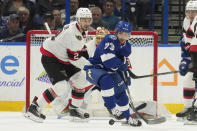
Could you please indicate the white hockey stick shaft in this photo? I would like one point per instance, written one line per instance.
(48, 28)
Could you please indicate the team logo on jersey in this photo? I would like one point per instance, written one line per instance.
(90, 74)
(78, 37)
(113, 37)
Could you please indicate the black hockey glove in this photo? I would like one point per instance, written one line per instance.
(183, 69)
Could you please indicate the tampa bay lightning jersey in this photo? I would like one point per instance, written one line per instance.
(110, 53)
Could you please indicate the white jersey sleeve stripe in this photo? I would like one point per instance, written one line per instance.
(107, 56)
(123, 108)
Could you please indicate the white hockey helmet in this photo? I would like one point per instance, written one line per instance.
(191, 5)
(83, 13)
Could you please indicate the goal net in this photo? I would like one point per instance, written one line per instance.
(143, 60)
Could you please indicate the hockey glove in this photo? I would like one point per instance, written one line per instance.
(127, 78)
(183, 67)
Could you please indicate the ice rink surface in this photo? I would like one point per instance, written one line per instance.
(15, 121)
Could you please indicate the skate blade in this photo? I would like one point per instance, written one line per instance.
(190, 123)
(60, 116)
(32, 117)
(181, 119)
(77, 119)
(124, 123)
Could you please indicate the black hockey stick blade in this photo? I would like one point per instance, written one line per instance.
(141, 106)
(132, 75)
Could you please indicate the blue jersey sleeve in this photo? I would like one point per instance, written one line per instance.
(111, 48)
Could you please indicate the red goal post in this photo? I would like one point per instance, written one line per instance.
(36, 37)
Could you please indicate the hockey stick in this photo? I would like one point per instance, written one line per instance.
(13, 37)
(141, 106)
(148, 121)
(191, 117)
(48, 28)
(132, 75)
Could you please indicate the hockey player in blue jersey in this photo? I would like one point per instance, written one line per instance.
(108, 70)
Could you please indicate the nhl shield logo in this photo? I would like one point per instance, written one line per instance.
(78, 37)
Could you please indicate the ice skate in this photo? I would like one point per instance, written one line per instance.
(134, 122)
(63, 113)
(77, 113)
(34, 114)
(191, 118)
(182, 115)
(116, 114)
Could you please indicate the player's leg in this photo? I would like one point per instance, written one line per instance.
(54, 70)
(188, 94)
(194, 63)
(79, 86)
(107, 91)
(87, 96)
(49, 96)
(101, 78)
(34, 112)
(192, 115)
(123, 105)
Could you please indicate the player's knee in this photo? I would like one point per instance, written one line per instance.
(106, 82)
(107, 86)
(122, 99)
(61, 87)
(188, 82)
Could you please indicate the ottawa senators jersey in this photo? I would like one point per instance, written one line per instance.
(68, 46)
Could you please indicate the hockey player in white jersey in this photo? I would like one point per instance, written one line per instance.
(108, 70)
(63, 58)
(101, 32)
(186, 67)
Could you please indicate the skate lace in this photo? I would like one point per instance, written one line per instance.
(132, 121)
(116, 112)
(195, 109)
(38, 109)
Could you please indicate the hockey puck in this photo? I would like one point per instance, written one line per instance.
(86, 115)
(111, 122)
